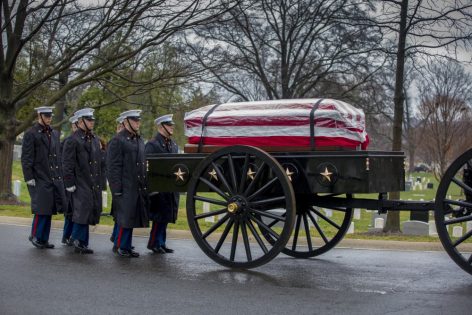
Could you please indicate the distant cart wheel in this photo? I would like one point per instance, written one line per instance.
(317, 230)
(235, 191)
(453, 211)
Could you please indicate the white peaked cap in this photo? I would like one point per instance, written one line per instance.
(84, 112)
(131, 113)
(164, 119)
(44, 109)
(120, 119)
(73, 119)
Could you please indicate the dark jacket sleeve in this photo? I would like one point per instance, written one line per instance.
(27, 156)
(114, 163)
(68, 162)
(149, 148)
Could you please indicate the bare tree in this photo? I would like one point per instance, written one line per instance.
(50, 47)
(446, 99)
(284, 49)
(415, 28)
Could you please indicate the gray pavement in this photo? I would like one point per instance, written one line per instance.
(343, 281)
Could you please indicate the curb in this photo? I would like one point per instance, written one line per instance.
(186, 235)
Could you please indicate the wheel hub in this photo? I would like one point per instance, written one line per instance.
(236, 205)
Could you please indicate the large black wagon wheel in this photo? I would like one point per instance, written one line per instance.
(326, 230)
(243, 185)
(315, 231)
(453, 211)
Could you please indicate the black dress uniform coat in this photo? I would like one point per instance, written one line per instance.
(41, 161)
(68, 205)
(126, 173)
(83, 167)
(165, 205)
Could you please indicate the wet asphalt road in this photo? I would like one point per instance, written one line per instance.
(342, 281)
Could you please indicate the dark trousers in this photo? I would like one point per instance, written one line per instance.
(68, 225)
(41, 227)
(123, 238)
(114, 232)
(158, 235)
(80, 232)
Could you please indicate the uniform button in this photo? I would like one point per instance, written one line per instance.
(57, 166)
(54, 155)
(59, 177)
(90, 163)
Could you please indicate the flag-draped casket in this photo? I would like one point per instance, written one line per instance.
(298, 122)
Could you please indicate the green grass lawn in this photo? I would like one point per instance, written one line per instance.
(361, 226)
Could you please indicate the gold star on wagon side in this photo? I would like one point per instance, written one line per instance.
(179, 175)
(250, 173)
(213, 174)
(326, 174)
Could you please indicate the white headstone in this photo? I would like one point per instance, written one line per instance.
(432, 228)
(206, 209)
(468, 226)
(357, 214)
(351, 228)
(457, 231)
(17, 188)
(328, 212)
(379, 223)
(104, 199)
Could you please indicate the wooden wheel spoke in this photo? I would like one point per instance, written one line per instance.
(267, 201)
(256, 178)
(470, 260)
(318, 213)
(257, 236)
(307, 232)
(276, 221)
(269, 215)
(297, 231)
(318, 228)
(234, 241)
(458, 203)
(210, 200)
(458, 220)
(263, 188)
(265, 227)
(224, 235)
(210, 214)
(232, 172)
(462, 185)
(214, 188)
(215, 226)
(462, 238)
(222, 178)
(242, 183)
(246, 241)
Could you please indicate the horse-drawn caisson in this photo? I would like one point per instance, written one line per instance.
(281, 176)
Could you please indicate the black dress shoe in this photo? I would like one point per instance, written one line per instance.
(36, 243)
(133, 254)
(81, 249)
(123, 252)
(48, 245)
(167, 249)
(65, 241)
(114, 249)
(112, 239)
(158, 250)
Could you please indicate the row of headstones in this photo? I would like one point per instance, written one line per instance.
(17, 193)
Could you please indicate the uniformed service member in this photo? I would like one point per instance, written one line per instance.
(119, 127)
(165, 205)
(41, 163)
(68, 224)
(83, 167)
(126, 173)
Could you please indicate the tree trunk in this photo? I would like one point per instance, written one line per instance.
(393, 217)
(6, 158)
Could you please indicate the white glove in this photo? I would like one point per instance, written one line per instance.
(71, 189)
(31, 182)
